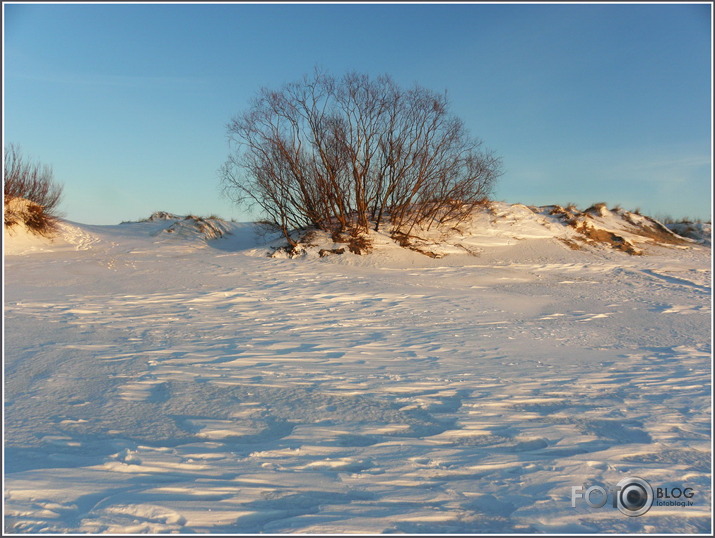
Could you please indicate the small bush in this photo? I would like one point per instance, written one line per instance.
(34, 183)
(359, 244)
(10, 217)
(39, 222)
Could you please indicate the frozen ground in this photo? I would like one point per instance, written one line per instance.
(157, 382)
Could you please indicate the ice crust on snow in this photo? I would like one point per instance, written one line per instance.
(167, 382)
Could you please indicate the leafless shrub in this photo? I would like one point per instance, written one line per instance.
(346, 155)
(34, 182)
(38, 221)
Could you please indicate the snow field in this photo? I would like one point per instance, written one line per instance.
(175, 385)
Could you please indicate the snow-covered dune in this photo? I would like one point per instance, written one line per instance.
(18, 239)
(164, 381)
(499, 225)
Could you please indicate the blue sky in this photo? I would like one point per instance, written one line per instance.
(584, 102)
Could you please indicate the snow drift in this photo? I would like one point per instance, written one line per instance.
(168, 382)
(163, 226)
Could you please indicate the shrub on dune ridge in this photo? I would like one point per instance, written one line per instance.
(31, 195)
(345, 155)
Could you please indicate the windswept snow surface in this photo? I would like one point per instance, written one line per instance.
(161, 382)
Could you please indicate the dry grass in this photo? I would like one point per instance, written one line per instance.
(604, 236)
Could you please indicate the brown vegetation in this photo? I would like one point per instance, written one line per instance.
(604, 236)
(636, 223)
(31, 195)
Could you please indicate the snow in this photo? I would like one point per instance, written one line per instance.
(160, 382)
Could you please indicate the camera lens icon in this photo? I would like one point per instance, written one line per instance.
(635, 496)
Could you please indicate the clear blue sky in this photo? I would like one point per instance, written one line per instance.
(584, 102)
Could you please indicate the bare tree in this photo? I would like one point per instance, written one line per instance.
(348, 154)
(33, 182)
